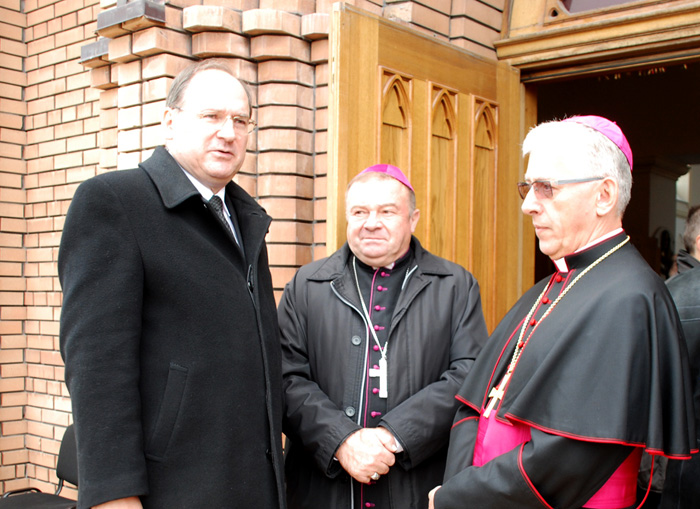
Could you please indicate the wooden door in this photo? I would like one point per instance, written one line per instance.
(452, 122)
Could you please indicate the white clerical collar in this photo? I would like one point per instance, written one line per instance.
(561, 262)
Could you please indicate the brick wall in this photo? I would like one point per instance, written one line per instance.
(73, 104)
(13, 371)
(48, 138)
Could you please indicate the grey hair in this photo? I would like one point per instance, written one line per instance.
(182, 81)
(601, 157)
(692, 229)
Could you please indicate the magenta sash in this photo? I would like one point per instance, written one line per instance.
(495, 438)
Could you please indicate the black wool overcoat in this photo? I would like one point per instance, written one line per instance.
(170, 340)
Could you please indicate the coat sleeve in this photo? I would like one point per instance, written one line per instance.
(462, 440)
(101, 275)
(311, 418)
(422, 422)
(547, 471)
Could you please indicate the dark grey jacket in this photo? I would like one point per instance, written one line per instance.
(171, 344)
(681, 487)
(436, 333)
(685, 290)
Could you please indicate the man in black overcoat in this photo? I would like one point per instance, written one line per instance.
(682, 486)
(169, 327)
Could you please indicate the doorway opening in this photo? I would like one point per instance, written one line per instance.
(658, 109)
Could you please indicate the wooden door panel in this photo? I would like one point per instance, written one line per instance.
(441, 212)
(437, 112)
(483, 198)
(395, 135)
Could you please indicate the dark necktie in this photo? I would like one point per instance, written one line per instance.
(218, 206)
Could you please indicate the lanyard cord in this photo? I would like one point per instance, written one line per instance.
(382, 351)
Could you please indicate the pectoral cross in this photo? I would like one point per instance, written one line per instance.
(496, 395)
(382, 373)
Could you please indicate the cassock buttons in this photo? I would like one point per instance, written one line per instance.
(558, 278)
(545, 300)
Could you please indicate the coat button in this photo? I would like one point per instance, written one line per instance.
(356, 340)
(350, 411)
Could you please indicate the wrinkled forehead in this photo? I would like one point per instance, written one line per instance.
(559, 150)
(555, 163)
(552, 165)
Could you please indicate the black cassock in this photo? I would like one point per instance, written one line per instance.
(605, 372)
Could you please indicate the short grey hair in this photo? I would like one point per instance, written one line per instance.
(183, 79)
(692, 229)
(601, 156)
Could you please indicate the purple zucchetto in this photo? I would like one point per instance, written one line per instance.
(390, 170)
(607, 128)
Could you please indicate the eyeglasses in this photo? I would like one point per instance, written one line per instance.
(543, 188)
(216, 120)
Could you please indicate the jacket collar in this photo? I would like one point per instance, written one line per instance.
(685, 261)
(336, 270)
(175, 188)
(172, 183)
(335, 265)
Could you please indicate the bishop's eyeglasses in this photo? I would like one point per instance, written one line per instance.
(543, 188)
(216, 120)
